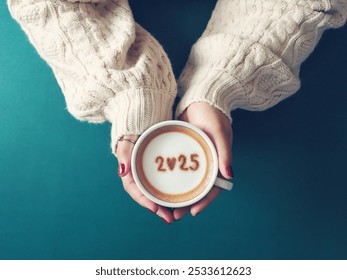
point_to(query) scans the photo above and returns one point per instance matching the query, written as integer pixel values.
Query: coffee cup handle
(224, 184)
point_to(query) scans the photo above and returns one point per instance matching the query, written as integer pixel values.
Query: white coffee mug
(175, 164)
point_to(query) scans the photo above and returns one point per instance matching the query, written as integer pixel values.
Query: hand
(217, 126)
(124, 149)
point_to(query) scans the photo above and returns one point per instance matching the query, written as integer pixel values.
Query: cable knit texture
(250, 53)
(110, 68)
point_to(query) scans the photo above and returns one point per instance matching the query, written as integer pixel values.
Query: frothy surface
(174, 176)
(176, 163)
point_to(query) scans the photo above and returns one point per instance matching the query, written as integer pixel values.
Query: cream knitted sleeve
(108, 67)
(250, 53)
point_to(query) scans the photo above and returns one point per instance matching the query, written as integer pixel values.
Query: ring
(120, 139)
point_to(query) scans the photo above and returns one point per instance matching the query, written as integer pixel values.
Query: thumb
(223, 142)
(123, 151)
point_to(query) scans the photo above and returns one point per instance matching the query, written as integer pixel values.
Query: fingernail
(230, 172)
(150, 210)
(195, 214)
(121, 169)
(165, 221)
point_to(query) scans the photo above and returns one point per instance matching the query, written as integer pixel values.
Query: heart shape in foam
(175, 164)
(171, 163)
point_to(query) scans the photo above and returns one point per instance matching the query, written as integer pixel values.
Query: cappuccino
(174, 164)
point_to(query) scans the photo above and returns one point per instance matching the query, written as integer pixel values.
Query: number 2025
(184, 164)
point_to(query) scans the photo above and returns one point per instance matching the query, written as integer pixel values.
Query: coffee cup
(175, 164)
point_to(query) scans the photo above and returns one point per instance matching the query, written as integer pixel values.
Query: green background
(60, 197)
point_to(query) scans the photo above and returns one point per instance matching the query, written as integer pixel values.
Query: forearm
(251, 51)
(109, 68)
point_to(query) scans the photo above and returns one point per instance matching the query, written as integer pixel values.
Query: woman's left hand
(123, 151)
(217, 126)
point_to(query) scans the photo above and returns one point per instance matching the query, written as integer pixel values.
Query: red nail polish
(230, 172)
(121, 169)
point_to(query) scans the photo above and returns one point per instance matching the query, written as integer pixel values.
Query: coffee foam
(177, 164)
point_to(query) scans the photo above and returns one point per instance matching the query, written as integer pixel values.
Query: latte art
(174, 164)
(182, 159)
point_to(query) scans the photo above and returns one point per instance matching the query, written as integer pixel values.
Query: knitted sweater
(111, 69)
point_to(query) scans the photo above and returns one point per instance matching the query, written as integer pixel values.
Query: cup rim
(214, 158)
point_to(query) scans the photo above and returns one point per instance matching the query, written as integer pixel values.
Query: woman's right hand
(123, 151)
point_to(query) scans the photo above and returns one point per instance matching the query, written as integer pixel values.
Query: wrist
(132, 112)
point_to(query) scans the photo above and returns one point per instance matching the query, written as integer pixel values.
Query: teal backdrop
(60, 197)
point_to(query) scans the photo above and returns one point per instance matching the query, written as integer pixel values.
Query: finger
(166, 214)
(184, 116)
(132, 189)
(223, 141)
(123, 151)
(135, 193)
(178, 213)
(207, 200)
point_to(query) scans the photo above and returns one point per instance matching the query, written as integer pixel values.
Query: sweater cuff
(134, 111)
(213, 86)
